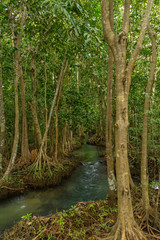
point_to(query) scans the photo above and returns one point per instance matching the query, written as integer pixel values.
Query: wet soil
(22, 181)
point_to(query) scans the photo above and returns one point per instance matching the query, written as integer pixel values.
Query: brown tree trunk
(61, 76)
(33, 105)
(56, 143)
(125, 211)
(144, 159)
(56, 124)
(45, 99)
(2, 117)
(25, 154)
(109, 153)
(17, 43)
(65, 139)
(16, 131)
(126, 227)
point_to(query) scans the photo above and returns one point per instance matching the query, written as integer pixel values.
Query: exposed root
(126, 231)
(147, 221)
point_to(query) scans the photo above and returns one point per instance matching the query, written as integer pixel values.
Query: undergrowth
(86, 220)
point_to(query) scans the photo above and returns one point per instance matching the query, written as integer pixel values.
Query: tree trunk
(125, 211)
(56, 143)
(17, 43)
(33, 105)
(144, 160)
(45, 99)
(126, 227)
(61, 76)
(56, 122)
(2, 117)
(109, 153)
(16, 131)
(25, 154)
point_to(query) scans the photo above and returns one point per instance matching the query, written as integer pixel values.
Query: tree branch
(140, 40)
(111, 14)
(108, 33)
(153, 61)
(126, 16)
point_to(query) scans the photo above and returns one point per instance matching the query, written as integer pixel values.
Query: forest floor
(87, 221)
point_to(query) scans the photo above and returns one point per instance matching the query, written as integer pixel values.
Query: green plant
(70, 233)
(50, 236)
(62, 224)
(27, 216)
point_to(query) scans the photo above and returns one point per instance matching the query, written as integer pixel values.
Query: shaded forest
(77, 71)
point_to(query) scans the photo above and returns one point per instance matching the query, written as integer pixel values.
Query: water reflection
(88, 182)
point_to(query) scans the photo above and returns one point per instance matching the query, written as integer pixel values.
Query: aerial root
(146, 221)
(146, 218)
(126, 232)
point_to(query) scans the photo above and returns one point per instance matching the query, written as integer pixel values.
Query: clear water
(88, 182)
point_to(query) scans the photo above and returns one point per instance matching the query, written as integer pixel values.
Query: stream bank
(23, 178)
(88, 182)
(91, 220)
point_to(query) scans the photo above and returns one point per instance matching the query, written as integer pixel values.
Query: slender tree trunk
(25, 154)
(17, 43)
(56, 143)
(16, 131)
(61, 76)
(65, 138)
(56, 123)
(144, 160)
(109, 153)
(45, 99)
(33, 105)
(2, 116)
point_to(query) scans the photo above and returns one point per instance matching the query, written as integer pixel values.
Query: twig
(14, 189)
(39, 234)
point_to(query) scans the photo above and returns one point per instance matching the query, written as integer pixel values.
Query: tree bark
(56, 121)
(126, 227)
(25, 154)
(144, 159)
(45, 99)
(56, 143)
(2, 116)
(61, 76)
(33, 105)
(17, 43)
(109, 152)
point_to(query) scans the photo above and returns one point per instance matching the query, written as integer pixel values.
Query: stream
(88, 182)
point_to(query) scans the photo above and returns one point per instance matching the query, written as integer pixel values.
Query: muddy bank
(21, 182)
(24, 178)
